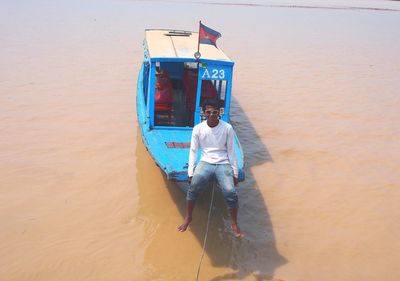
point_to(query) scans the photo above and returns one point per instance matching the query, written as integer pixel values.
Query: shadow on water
(256, 254)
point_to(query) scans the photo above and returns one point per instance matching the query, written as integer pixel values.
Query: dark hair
(211, 102)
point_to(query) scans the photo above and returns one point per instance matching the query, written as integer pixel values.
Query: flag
(208, 35)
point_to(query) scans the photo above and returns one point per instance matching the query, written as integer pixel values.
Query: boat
(173, 81)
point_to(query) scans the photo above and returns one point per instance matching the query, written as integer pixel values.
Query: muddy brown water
(316, 106)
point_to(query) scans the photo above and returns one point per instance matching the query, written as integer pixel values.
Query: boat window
(214, 89)
(145, 80)
(170, 98)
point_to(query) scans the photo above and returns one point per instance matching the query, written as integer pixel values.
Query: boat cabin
(171, 86)
(175, 83)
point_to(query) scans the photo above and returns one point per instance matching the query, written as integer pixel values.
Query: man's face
(211, 113)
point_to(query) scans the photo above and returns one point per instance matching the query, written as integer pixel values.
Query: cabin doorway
(169, 98)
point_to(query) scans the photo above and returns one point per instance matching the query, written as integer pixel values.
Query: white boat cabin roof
(179, 44)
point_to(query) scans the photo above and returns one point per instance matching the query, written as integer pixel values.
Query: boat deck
(171, 146)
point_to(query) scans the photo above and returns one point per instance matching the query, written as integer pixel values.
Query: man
(218, 160)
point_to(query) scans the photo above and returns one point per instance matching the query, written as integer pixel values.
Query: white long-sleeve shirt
(216, 143)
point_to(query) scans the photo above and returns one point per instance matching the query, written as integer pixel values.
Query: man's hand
(190, 180)
(235, 180)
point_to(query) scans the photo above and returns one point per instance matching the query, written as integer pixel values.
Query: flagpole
(198, 67)
(198, 39)
(198, 50)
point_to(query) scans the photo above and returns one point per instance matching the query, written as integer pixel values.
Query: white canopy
(165, 43)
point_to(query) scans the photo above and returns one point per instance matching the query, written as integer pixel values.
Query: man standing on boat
(218, 161)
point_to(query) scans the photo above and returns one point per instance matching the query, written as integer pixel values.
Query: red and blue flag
(208, 35)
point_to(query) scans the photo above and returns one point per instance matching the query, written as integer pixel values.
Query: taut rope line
(206, 235)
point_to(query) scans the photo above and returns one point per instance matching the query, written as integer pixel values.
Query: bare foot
(236, 230)
(185, 224)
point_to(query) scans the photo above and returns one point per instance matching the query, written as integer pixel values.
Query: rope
(206, 235)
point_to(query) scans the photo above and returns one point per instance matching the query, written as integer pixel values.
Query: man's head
(211, 109)
(215, 103)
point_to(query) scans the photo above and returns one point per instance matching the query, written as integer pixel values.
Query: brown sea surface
(316, 107)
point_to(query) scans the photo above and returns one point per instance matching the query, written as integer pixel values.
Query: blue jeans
(205, 173)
